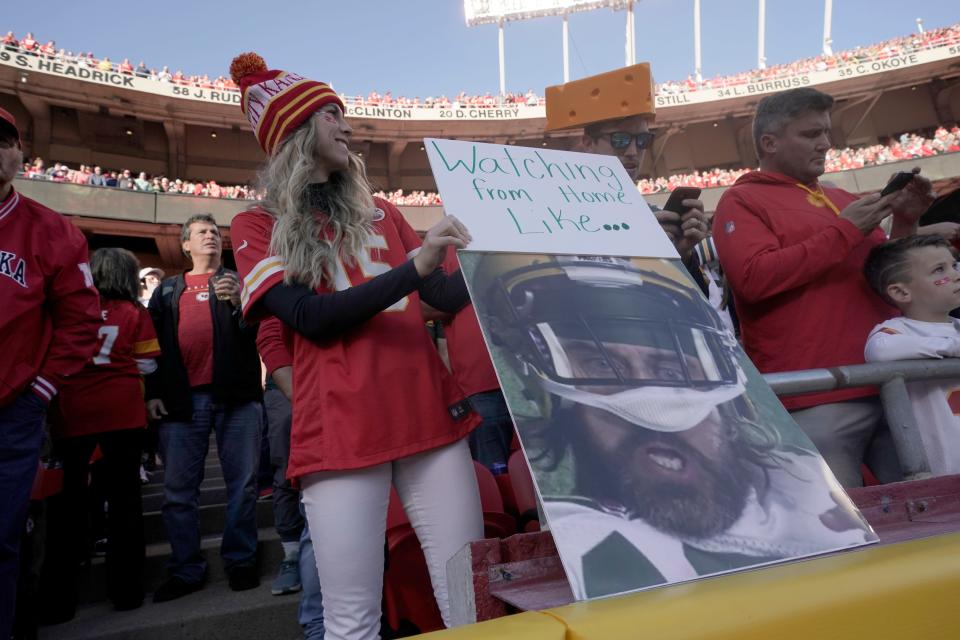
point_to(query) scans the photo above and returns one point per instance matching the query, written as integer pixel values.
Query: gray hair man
(792, 249)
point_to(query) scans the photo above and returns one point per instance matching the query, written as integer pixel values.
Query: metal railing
(891, 377)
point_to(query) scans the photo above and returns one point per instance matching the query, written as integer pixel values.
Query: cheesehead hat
(607, 96)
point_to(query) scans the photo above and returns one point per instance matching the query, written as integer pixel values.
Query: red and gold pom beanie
(276, 102)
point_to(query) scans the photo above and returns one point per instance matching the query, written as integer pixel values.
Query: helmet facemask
(626, 341)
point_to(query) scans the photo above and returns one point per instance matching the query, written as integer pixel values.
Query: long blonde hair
(299, 239)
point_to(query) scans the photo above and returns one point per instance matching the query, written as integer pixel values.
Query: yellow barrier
(531, 625)
(901, 591)
(904, 591)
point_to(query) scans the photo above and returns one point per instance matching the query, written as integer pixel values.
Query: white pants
(347, 513)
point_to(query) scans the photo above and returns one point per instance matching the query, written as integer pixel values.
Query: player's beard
(690, 511)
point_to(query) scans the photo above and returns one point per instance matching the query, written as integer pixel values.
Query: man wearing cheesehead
(615, 110)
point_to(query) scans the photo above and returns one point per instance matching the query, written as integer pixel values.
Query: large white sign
(664, 100)
(544, 201)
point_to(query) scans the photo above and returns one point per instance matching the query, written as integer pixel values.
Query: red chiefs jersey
(469, 359)
(195, 329)
(107, 394)
(49, 308)
(376, 393)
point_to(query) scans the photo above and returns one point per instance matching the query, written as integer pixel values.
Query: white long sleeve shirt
(936, 403)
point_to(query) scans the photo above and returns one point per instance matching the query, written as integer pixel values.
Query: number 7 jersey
(107, 394)
(375, 393)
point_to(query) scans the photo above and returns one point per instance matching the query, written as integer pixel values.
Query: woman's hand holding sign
(449, 232)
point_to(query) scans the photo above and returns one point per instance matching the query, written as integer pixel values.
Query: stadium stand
(878, 51)
(217, 612)
(904, 147)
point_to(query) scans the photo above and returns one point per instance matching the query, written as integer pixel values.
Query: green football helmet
(632, 336)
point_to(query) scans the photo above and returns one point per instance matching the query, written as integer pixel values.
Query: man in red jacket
(49, 315)
(793, 251)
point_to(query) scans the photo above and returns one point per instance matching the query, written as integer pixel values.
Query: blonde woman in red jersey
(103, 406)
(372, 404)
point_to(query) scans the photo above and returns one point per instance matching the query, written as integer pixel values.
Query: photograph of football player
(659, 454)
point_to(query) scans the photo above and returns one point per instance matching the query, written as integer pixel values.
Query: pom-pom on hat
(276, 102)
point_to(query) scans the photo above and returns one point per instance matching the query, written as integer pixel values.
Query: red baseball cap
(7, 118)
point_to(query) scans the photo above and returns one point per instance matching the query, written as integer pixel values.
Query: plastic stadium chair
(490, 496)
(524, 492)
(407, 590)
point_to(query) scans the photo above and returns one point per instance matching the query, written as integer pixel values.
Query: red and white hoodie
(49, 308)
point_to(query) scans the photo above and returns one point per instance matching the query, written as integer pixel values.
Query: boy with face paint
(919, 275)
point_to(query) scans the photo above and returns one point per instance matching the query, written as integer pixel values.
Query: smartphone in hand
(677, 196)
(897, 182)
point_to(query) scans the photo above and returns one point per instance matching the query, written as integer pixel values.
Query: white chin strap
(668, 409)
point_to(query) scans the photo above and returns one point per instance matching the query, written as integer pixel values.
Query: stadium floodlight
(498, 11)
(827, 24)
(761, 36)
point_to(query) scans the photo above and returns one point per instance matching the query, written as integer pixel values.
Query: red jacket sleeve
(146, 344)
(755, 263)
(250, 232)
(75, 315)
(272, 346)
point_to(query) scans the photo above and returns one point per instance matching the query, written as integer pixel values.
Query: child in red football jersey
(372, 402)
(103, 406)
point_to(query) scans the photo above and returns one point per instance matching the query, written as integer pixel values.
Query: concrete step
(214, 613)
(211, 469)
(212, 517)
(92, 578)
(212, 491)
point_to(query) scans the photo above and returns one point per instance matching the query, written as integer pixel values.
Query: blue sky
(422, 47)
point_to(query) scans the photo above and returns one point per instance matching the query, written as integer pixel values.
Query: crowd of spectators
(879, 51)
(462, 99)
(30, 45)
(94, 176)
(892, 48)
(904, 147)
(412, 199)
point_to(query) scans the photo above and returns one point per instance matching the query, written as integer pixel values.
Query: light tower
(500, 12)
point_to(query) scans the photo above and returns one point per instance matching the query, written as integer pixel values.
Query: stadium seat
(490, 496)
(869, 480)
(524, 492)
(407, 590)
(497, 523)
(504, 483)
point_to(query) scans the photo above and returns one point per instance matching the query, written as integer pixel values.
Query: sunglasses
(621, 139)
